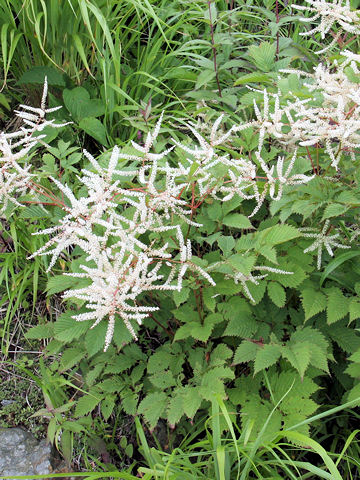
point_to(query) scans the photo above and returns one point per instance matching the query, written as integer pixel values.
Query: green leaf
(34, 211)
(355, 357)
(242, 263)
(40, 331)
(71, 357)
(120, 364)
(94, 128)
(191, 401)
(107, 406)
(313, 302)
(95, 338)
(354, 309)
(175, 409)
(263, 56)
(255, 77)
(153, 406)
(334, 210)
(129, 403)
(163, 379)
(59, 283)
(37, 75)
(67, 328)
(337, 306)
(277, 293)
(79, 104)
(336, 262)
(87, 403)
(266, 356)
(278, 234)
(245, 352)
(182, 296)
(195, 330)
(204, 78)
(244, 326)
(309, 442)
(226, 243)
(299, 355)
(236, 220)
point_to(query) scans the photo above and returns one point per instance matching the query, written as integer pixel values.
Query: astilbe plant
(120, 228)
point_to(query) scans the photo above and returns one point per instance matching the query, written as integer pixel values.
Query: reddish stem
(214, 49)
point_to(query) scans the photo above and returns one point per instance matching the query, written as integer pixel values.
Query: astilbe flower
(336, 12)
(322, 239)
(15, 146)
(109, 226)
(243, 279)
(336, 123)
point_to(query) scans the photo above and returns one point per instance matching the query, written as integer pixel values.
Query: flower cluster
(15, 146)
(113, 226)
(337, 12)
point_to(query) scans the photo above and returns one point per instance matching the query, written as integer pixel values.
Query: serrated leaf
(313, 302)
(93, 374)
(278, 234)
(175, 409)
(163, 379)
(243, 326)
(266, 356)
(236, 220)
(59, 283)
(182, 296)
(355, 357)
(242, 263)
(226, 243)
(263, 56)
(245, 352)
(219, 355)
(120, 364)
(87, 403)
(107, 406)
(153, 406)
(34, 211)
(354, 309)
(334, 210)
(204, 78)
(354, 394)
(337, 306)
(269, 252)
(195, 330)
(276, 293)
(40, 331)
(67, 328)
(255, 77)
(299, 355)
(129, 402)
(191, 401)
(318, 357)
(71, 357)
(95, 338)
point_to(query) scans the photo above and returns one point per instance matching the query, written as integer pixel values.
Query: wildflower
(322, 240)
(282, 178)
(330, 13)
